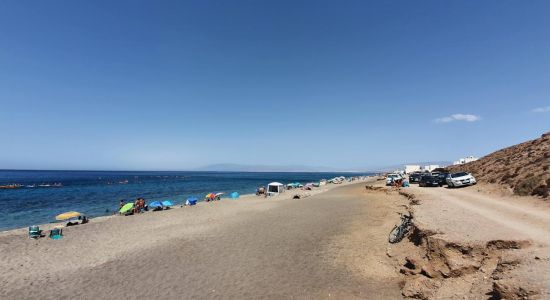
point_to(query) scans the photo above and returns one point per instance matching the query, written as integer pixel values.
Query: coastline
(97, 194)
(243, 197)
(330, 244)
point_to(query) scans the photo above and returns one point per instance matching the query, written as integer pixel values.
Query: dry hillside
(524, 167)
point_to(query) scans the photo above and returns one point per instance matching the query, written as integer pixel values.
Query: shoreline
(316, 190)
(313, 247)
(98, 194)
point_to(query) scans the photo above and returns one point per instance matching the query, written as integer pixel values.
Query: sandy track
(472, 219)
(330, 245)
(495, 217)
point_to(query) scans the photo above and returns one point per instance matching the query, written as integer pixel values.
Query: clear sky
(174, 85)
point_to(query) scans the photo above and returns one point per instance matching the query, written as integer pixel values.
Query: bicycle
(400, 231)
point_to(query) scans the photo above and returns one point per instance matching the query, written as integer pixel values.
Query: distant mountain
(265, 168)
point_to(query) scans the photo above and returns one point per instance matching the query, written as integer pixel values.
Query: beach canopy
(211, 195)
(219, 194)
(155, 204)
(67, 215)
(191, 201)
(167, 203)
(126, 208)
(234, 195)
(275, 188)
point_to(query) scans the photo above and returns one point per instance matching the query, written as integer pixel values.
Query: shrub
(505, 177)
(541, 190)
(526, 186)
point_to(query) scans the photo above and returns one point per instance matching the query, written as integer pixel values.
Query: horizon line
(202, 171)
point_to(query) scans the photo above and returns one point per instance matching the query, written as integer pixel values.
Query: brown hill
(524, 167)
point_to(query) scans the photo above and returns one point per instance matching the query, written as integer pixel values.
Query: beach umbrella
(234, 195)
(155, 204)
(126, 207)
(167, 203)
(67, 215)
(218, 194)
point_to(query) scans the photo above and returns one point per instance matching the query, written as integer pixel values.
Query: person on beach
(136, 206)
(141, 204)
(120, 205)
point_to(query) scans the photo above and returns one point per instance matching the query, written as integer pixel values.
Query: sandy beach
(331, 244)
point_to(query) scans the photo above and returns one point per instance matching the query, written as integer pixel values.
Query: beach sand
(331, 244)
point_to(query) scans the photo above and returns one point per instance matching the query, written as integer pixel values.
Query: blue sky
(174, 85)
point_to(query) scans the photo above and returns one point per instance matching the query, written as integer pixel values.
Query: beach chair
(56, 233)
(34, 232)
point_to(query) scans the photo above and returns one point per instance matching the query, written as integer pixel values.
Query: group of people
(139, 205)
(398, 183)
(82, 219)
(261, 191)
(213, 197)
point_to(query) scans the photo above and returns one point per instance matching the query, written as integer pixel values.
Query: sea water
(98, 193)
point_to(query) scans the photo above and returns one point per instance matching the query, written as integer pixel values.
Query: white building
(465, 160)
(412, 168)
(430, 168)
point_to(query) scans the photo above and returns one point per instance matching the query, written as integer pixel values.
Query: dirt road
(483, 216)
(480, 244)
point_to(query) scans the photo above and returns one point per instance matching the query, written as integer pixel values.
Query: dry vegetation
(524, 167)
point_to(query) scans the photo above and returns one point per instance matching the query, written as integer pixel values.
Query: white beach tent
(275, 188)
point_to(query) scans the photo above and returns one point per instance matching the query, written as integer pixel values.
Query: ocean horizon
(46, 193)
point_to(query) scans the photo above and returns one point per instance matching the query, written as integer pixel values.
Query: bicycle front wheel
(395, 235)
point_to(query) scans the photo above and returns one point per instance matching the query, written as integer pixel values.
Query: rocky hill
(524, 167)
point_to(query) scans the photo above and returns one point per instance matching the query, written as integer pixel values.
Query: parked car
(392, 177)
(443, 178)
(460, 179)
(429, 180)
(415, 177)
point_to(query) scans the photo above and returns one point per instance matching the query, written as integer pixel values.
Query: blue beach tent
(191, 201)
(234, 195)
(155, 204)
(167, 203)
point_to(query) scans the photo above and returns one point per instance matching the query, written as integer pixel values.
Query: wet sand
(329, 245)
